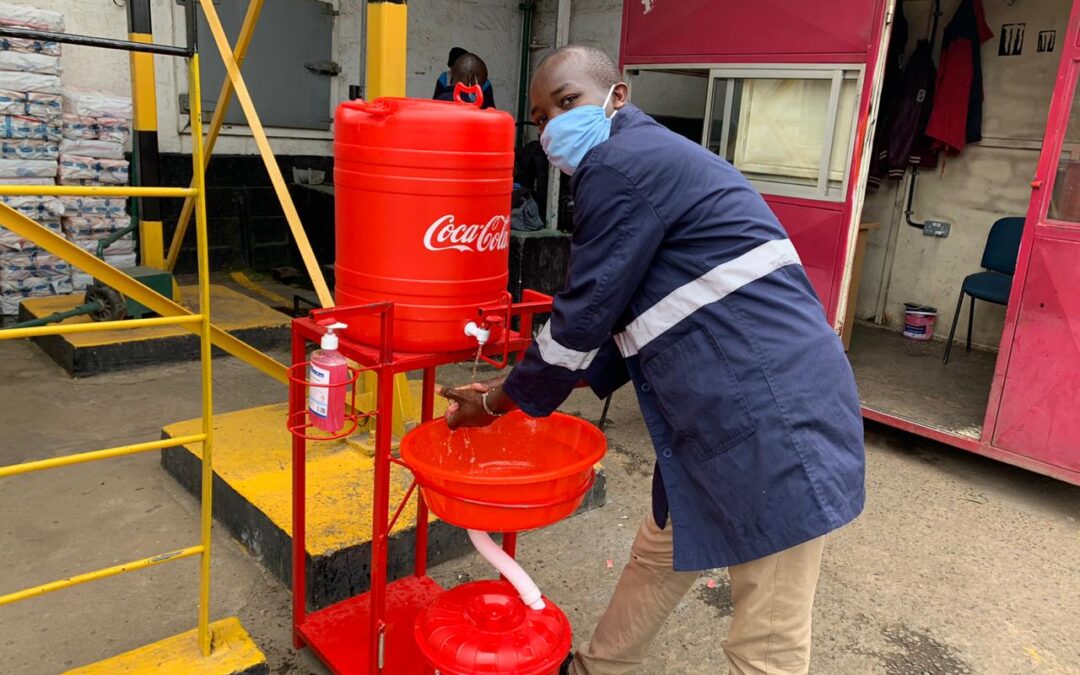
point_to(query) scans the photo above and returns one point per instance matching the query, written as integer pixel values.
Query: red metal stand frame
(372, 633)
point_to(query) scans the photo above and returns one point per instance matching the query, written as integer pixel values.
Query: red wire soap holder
(299, 423)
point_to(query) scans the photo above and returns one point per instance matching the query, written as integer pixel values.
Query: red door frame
(1039, 226)
(1036, 227)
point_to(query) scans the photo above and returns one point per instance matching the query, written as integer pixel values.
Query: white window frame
(837, 73)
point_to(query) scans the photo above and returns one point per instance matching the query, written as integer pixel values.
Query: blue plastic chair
(993, 285)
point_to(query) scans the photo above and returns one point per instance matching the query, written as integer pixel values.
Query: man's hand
(488, 385)
(466, 407)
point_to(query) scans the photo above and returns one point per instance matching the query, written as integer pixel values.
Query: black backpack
(531, 168)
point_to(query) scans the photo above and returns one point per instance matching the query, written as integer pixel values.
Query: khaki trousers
(773, 599)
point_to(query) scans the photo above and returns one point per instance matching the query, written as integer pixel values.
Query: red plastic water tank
(483, 628)
(422, 193)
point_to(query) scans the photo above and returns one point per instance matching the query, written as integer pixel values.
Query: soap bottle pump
(330, 369)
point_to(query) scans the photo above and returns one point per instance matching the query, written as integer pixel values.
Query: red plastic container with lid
(483, 628)
(422, 191)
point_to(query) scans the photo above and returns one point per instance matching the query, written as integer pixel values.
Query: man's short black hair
(597, 63)
(455, 54)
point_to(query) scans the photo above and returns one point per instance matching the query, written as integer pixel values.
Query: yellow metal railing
(127, 286)
(172, 314)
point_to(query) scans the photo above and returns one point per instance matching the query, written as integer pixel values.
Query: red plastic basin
(519, 473)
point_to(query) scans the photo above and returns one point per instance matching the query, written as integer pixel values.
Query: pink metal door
(1033, 404)
(786, 36)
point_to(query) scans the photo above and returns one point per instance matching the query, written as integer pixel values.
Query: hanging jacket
(907, 143)
(682, 280)
(956, 119)
(891, 90)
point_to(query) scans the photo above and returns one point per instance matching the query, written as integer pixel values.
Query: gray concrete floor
(907, 378)
(958, 565)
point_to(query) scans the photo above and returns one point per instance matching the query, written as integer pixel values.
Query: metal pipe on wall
(359, 90)
(562, 37)
(909, 208)
(528, 8)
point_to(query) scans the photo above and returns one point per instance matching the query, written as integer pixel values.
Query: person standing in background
(469, 69)
(444, 83)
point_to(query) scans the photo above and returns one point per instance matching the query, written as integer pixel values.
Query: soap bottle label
(319, 397)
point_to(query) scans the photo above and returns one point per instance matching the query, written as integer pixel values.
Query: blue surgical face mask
(567, 137)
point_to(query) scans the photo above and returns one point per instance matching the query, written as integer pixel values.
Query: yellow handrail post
(224, 100)
(203, 254)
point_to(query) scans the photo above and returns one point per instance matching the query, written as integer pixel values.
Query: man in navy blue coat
(683, 282)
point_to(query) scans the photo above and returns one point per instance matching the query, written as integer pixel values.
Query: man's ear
(620, 96)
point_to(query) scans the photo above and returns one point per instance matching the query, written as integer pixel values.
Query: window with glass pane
(776, 130)
(1065, 201)
(674, 98)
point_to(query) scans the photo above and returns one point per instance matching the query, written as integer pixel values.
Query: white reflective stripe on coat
(555, 354)
(714, 285)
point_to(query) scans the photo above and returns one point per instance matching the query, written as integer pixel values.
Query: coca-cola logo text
(446, 234)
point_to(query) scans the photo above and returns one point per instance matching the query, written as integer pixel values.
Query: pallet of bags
(95, 115)
(92, 147)
(26, 149)
(30, 272)
(27, 127)
(76, 127)
(26, 270)
(87, 231)
(27, 168)
(35, 206)
(35, 105)
(27, 46)
(96, 127)
(38, 262)
(31, 105)
(16, 287)
(23, 62)
(84, 227)
(24, 16)
(9, 241)
(97, 104)
(93, 206)
(121, 247)
(31, 115)
(80, 170)
(30, 111)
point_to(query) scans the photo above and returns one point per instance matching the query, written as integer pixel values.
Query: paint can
(919, 321)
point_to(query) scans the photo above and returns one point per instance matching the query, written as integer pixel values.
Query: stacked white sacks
(31, 113)
(96, 130)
